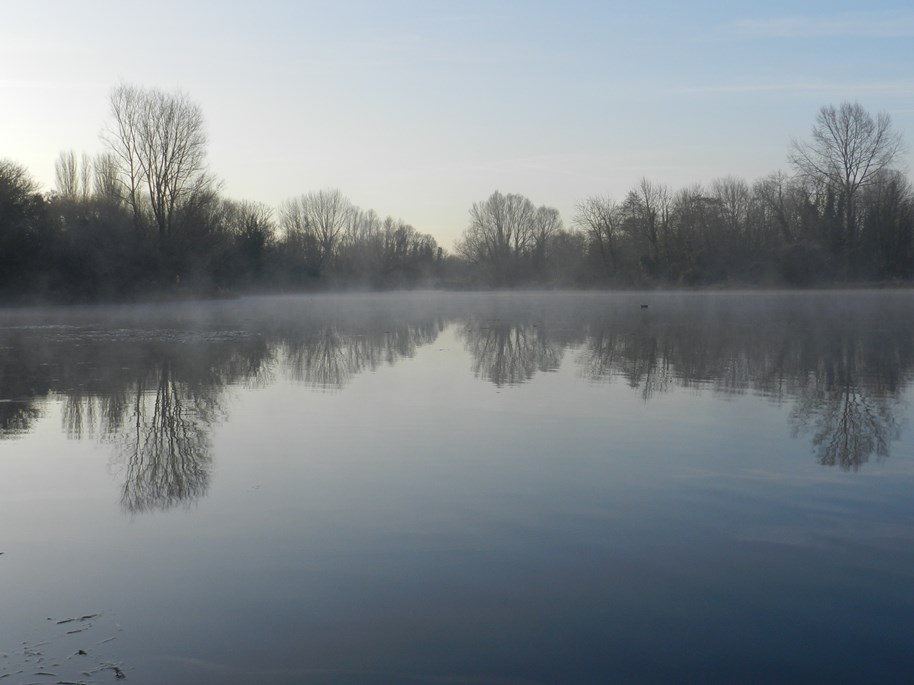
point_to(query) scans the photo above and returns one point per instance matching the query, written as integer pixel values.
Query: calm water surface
(504, 488)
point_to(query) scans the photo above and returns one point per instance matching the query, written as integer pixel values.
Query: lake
(460, 488)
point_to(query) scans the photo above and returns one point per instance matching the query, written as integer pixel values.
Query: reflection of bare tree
(645, 363)
(158, 409)
(155, 390)
(844, 369)
(94, 415)
(330, 357)
(326, 360)
(852, 418)
(166, 445)
(508, 353)
(848, 426)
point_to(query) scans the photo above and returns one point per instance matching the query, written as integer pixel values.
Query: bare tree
(847, 149)
(106, 184)
(160, 143)
(601, 220)
(249, 220)
(520, 214)
(123, 140)
(546, 223)
(73, 176)
(85, 178)
(501, 228)
(320, 216)
(649, 207)
(773, 197)
(66, 175)
(734, 200)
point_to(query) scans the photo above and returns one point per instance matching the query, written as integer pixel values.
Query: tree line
(148, 216)
(846, 214)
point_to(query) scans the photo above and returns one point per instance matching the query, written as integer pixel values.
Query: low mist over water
(424, 487)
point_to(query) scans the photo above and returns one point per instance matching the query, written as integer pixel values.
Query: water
(502, 488)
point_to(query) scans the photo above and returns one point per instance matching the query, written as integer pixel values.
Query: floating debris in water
(39, 658)
(87, 617)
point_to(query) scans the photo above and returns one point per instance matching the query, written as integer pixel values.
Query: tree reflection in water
(330, 357)
(167, 447)
(507, 352)
(843, 369)
(848, 426)
(155, 393)
(158, 412)
(843, 366)
(848, 401)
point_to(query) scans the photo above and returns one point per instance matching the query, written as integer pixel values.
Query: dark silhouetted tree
(159, 142)
(25, 233)
(601, 220)
(317, 220)
(848, 147)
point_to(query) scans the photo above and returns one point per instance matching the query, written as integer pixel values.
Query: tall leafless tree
(601, 219)
(547, 222)
(320, 216)
(159, 142)
(649, 207)
(501, 229)
(106, 184)
(73, 176)
(848, 147)
(122, 138)
(66, 175)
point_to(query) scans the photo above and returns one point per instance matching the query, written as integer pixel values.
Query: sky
(419, 108)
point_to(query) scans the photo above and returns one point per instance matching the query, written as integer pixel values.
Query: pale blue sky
(419, 108)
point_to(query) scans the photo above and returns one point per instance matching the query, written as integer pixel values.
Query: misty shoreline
(200, 296)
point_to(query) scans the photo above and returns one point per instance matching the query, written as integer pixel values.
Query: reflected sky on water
(529, 487)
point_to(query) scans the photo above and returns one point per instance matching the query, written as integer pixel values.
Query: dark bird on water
(644, 306)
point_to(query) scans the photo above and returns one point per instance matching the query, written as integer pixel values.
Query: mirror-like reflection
(154, 400)
(848, 401)
(331, 357)
(151, 381)
(512, 351)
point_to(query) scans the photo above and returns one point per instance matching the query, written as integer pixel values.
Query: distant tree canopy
(146, 216)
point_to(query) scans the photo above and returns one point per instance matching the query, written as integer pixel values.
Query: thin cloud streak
(857, 24)
(897, 89)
